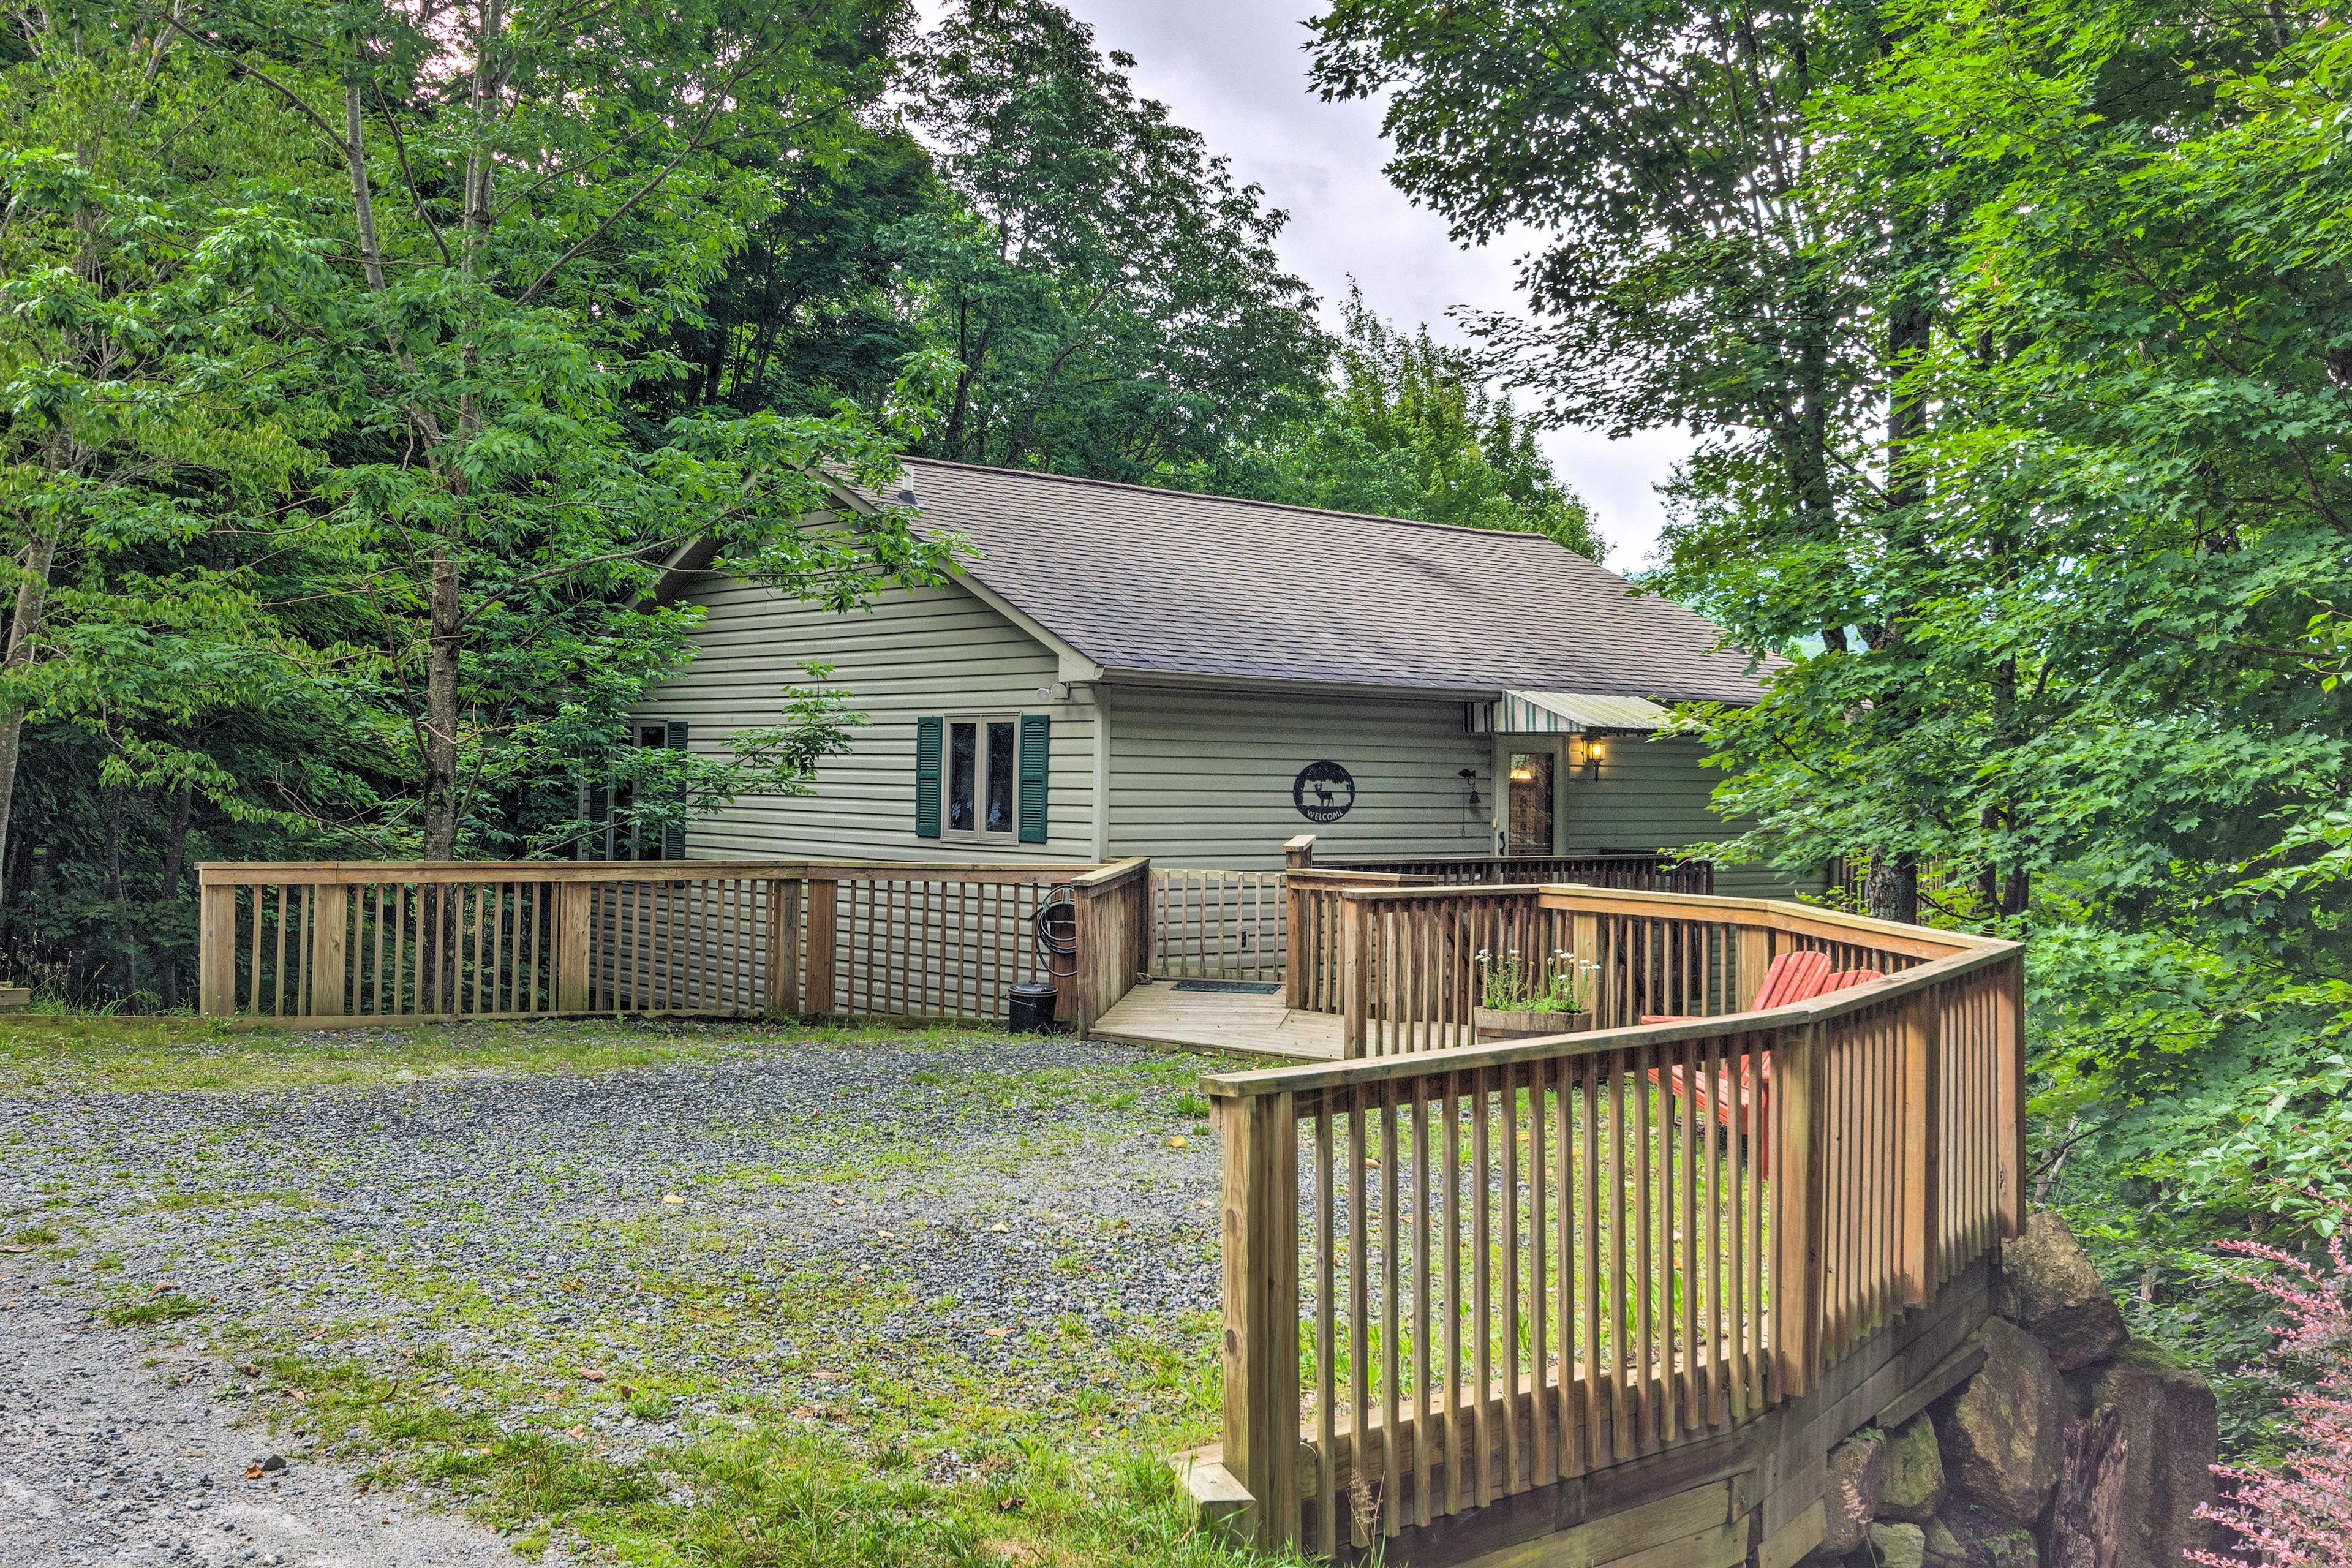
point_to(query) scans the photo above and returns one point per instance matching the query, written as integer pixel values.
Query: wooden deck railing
(1529, 1261)
(1599, 868)
(320, 944)
(1217, 925)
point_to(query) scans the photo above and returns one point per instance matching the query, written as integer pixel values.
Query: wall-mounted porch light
(1469, 778)
(1585, 755)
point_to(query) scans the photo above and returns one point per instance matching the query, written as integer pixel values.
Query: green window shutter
(1037, 751)
(674, 835)
(926, 777)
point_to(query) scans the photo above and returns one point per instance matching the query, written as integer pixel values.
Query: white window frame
(1010, 832)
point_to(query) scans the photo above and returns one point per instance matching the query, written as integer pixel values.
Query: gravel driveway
(921, 1254)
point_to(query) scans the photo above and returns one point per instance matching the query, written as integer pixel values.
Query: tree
(147, 395)
(533, 197)
(1110, 294)
(1407, 429)
(1694, 273)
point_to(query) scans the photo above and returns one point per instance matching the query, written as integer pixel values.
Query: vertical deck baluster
(1688, 1272)
(1481, 1279)
(1450, 1181)
(1514, 1478)
(1391, 1338)
(1359, 1348)
(1646, 1264)
(1543, 1460)
(1327, 1246)
(278, 969)
(1424, 1454)
(1761, 1154)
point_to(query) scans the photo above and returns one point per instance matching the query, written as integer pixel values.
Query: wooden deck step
(1238, 1022)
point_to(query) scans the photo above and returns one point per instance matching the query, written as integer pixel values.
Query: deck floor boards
(1236, 1021)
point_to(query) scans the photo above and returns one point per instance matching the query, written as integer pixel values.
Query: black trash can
(1031, 1009)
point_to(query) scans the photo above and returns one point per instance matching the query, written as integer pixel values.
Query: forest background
(360, 362)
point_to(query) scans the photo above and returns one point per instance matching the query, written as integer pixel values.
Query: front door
(1532, 777)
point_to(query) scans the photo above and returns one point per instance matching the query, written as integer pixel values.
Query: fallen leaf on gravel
(249, 1368)
(575, 1432)
(998, 1333)
(1176, 1142)
(837, 1202)
(886, 1235)
(672, 1198)
(1000, 1227)
(163, 1289)
(592, 1373)
(253, 1472)
(628, 1388)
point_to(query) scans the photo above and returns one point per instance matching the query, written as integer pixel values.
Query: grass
(95, 1053)
(867, 1445)
(130, 1311)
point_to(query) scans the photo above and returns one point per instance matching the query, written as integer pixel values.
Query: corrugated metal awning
(1564, 714)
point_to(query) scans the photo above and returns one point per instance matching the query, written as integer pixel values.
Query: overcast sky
(1234, 71)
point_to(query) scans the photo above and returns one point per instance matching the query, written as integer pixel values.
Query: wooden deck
(1243, 1023)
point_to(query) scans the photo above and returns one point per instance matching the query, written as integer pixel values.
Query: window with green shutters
(981, 776)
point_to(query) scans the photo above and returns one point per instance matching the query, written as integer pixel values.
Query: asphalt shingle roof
(1154, 580)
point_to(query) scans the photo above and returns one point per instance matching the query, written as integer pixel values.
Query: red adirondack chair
(1792, 977)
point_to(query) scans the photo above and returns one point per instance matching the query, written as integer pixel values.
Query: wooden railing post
(1755, 958)
(1923, 1086)
(1261, 1309)
(572, 902)
(216, 950)
(1298, 916)
(330, 911)
(2009, 1056)
(1797, 1174)
(783, 948)
(821, 918)
(1355, 976)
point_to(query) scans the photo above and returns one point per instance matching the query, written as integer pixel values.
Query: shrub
(2299, 1514)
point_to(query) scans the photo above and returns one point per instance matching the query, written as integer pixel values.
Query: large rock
(2169, 1435)
(1964, 1536)
(1898, 1546)
(1856, 1469)
(2048, 1288)
(2004, 1435)
(1913, 1488)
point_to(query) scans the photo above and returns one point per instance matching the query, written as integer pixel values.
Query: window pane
(1000, 778)
(1531, 803)
(963, 745)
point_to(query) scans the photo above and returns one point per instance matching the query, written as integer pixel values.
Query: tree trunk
(175, 860)
(1891, 891)
(122, 966)
(32, 600)
(441, 711)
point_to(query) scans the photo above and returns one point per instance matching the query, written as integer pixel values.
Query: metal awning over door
(1563, 713)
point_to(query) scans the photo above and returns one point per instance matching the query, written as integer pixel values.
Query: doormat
(1246, 987)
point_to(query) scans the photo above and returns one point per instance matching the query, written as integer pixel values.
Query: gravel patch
(840, 1230)
(104, 1460)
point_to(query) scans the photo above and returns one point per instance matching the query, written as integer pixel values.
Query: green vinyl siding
(1650, 795)
(915, 654)
(1203, 778)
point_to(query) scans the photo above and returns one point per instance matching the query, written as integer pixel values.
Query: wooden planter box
(1495, 1024)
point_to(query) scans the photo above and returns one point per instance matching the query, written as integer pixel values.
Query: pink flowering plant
(2299, 1514)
